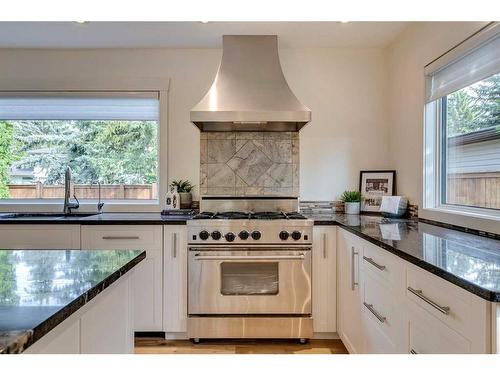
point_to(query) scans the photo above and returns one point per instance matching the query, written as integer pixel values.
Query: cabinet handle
(353, 269)
(373, 263)
(324, 246)
(380, 318)
(174, 246)
(418, 292)
(120, 237)
(412, 351)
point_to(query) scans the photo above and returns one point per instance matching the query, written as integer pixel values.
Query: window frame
(434, 187)
(105, 84)
(482, 219)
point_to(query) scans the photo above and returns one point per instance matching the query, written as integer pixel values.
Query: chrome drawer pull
(324, 246)
(418, 292)
(353, 269)
(248, 257)
(373, 263)
(412, 351)
(120, 237)
(381, 318)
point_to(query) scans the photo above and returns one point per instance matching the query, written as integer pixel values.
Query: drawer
(121, 237)
(383, 265)
(454, 306)
(39, 236)
(428, 335)
(382, 309)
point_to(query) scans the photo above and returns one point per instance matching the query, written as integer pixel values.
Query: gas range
(249, 269)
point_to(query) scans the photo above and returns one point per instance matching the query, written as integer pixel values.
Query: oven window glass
(249, 278)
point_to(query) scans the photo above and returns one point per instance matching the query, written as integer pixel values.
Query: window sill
(56, 205)
(488, 221)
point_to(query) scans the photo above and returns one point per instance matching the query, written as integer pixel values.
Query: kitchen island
(66, 301)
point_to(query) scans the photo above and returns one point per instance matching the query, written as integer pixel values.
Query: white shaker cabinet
(324, 281)
(40, 236)
(349, 297)
(388, 305)
(148, 275)
(175, 280)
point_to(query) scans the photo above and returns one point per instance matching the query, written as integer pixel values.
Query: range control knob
(230, 236)
(296, 235)
(216, 235)
(244, 235)
(204, 235)
(284, 235)
(256, 235)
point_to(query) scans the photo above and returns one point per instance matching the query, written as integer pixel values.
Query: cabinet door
(428, 335)
(382, 317)
(350, 328)
(175, 280)
(148, 275)
(40, 236)
(324, 281)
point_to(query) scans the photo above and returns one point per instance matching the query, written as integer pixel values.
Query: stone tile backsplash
(249, 163)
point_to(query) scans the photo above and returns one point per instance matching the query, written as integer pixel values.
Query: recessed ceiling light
(204, 21)
(344, 21)
(81, 21)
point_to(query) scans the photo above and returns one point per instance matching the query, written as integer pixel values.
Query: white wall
(346, 90)
(414, 48)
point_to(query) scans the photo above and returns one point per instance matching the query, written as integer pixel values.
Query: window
(105, 138)
(462, 140)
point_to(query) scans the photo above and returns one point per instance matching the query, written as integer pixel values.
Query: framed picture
(373, 185)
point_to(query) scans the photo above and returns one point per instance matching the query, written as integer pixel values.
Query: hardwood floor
(162, 346)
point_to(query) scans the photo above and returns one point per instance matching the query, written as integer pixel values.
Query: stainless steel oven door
(249, 281)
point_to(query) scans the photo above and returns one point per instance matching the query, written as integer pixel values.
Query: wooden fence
(474, 189)
(39, 190)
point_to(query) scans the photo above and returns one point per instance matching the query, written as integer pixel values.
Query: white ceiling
(192, 34)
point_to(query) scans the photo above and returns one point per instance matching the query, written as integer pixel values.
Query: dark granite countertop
(125, 218)
(41, 288)
(468, 260)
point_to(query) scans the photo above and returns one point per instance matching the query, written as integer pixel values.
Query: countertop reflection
(36, 286)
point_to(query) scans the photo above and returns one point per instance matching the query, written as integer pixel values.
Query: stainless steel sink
(41, 215)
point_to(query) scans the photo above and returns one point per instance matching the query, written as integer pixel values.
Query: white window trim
(483, 219)
(107, 84)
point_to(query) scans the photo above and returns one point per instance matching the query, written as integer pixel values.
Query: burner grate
(265, 215)
(231, 215)
(269, 215)
(295, 215)
(204, 215)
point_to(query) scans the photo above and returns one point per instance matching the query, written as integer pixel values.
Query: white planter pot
(352, 208)
(186, 200)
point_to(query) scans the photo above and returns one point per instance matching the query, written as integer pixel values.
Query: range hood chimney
(250, 92)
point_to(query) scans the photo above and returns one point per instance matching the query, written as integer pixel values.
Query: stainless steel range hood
(250, 92)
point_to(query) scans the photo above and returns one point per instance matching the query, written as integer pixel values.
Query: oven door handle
(249, 257)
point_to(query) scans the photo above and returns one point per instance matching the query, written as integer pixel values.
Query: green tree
(6, 156)
(488, 97)
(474, 107)
(111, 152)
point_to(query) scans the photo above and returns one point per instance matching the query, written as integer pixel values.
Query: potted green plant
(352, 201)
(184, 188)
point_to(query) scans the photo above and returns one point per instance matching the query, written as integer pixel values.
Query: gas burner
(231, 215)
(295, 215)
(204, 215)
(268, 215)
